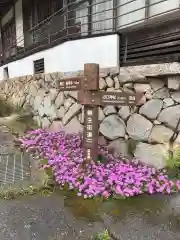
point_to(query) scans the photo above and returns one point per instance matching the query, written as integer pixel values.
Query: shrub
(173, 163)
(5, 109)
(102, 236)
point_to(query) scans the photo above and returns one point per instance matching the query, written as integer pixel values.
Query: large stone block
(176, 97)
(52, 112)
(73, 111)
(160, 134)
(68, 103)
(142, 87)
(109, 110)
(73, 126)
(156, 83)
(59, 100)
(153, 155)
(119, 146)
(170, 116)
(61, 112)
(138, 127)
(152, 108)
(109, 81)
(124, 112)
(101, 114)
(162, 93)
(112, 127)
(167, 102)
(102, 84)
(45, 123)
(174, 82)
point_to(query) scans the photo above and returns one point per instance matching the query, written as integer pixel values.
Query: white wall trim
(70, 56)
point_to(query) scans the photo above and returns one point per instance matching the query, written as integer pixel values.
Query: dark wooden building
(149, 29)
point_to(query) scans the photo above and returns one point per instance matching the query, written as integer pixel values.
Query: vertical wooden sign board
(90, 96)
(90, 136)
(91, 126)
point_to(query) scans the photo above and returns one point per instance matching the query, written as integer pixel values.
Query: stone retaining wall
(143, 131)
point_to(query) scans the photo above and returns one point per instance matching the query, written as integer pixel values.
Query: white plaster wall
(19, 24)
(70, 56)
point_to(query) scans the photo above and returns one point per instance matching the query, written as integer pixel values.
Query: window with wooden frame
(60, 25)
(45, 8)
(9, 39)
(39, 66)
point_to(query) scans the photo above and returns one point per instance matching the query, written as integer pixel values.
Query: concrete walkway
(42, 218)
(60, 217)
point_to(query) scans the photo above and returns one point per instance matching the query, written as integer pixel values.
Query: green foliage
(173, 163)
(5, 108)
(100, 159)
(103, 236)
(48, 172)
(16, 118)
(173, 160)
(10, 193)
(132, 145)
(19, 127)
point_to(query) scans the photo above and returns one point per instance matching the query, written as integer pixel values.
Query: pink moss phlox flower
(106, 194)
(112, 176)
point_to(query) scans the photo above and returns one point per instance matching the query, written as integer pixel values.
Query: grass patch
(102, 236)
(16, 118)
(21, 126)
(6, 109)
(10, 193)
(173, 164)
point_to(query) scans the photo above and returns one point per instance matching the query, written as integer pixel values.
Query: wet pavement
(63, 216)
(43, 218)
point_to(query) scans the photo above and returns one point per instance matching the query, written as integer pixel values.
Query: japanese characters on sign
(117, 98)
(90, 132)
(98, 98)
(69, 84)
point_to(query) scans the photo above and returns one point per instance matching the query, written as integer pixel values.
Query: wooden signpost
(91, 97)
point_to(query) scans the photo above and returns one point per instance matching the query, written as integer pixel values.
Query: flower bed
(107, 177)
